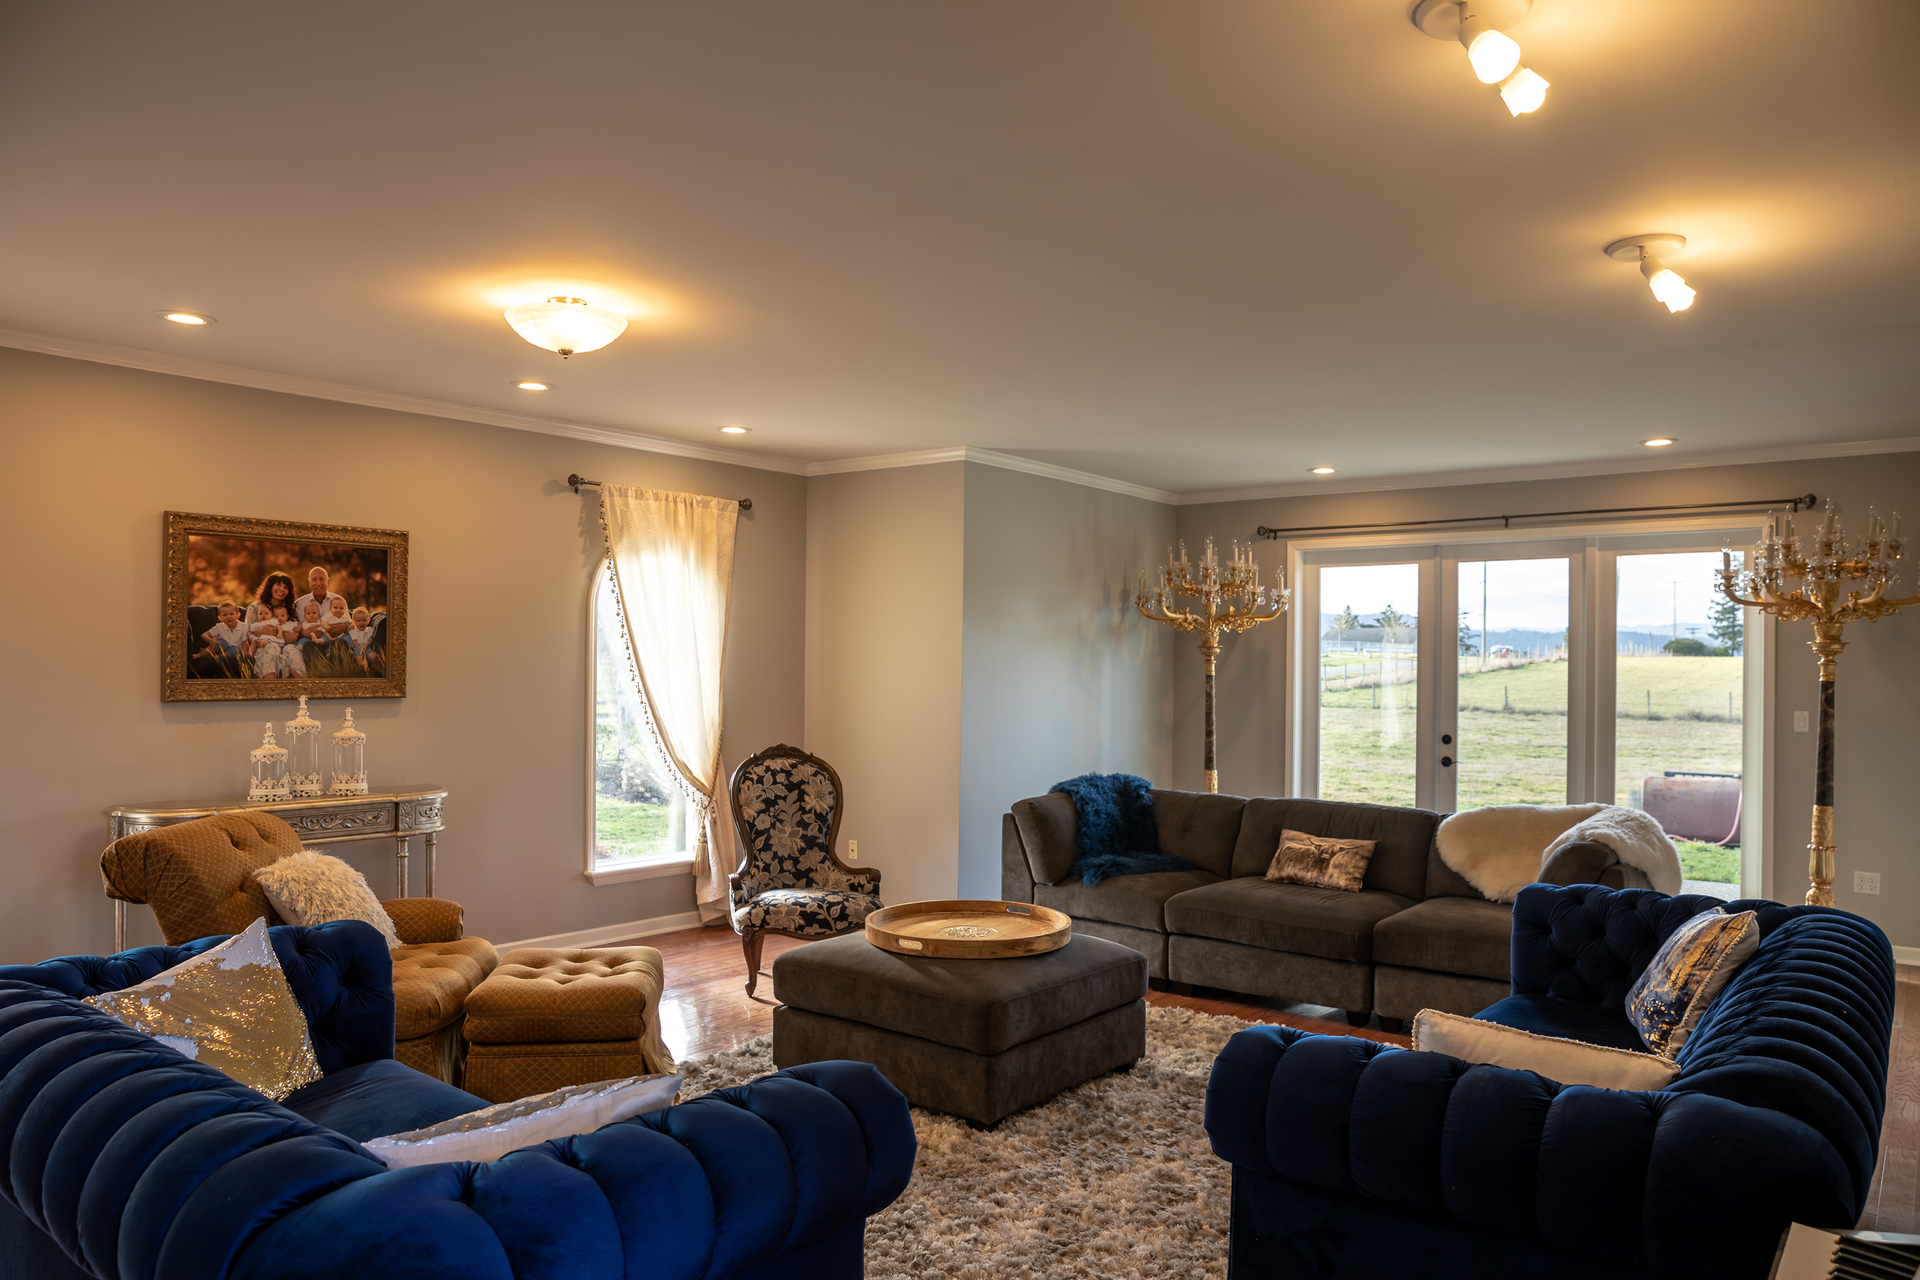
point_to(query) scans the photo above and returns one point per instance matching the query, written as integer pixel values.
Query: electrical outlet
(1800, 722)
(1866, 882)
(853, 851)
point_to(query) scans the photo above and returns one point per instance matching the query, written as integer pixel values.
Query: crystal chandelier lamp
(1829, 582)
(1226, 598)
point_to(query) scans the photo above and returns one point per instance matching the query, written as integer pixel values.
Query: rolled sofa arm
(418, 920)
(1676, 1183)
(142, 1164)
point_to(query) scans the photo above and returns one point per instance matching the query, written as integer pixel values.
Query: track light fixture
(1648, 251)
(1493, 54)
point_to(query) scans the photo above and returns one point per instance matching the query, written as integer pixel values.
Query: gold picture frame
(349, 642)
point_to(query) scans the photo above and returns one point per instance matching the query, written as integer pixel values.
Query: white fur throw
(1499, 849)
(1635, 838)
(312, 888)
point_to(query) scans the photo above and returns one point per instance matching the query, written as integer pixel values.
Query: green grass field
(623, 829)
(1513, 732)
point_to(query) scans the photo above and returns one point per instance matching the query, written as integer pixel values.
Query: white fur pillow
(313, 888)
(1568, 1061)
(1498, 849)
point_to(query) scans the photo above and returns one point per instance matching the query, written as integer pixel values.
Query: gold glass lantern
(269, 761)
(304, 776)
(349, 760)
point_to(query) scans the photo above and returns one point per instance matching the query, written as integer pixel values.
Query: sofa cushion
(1199, 827)
(379, 1097)
(1135, 900)
(1402, 838)
(1567, 1019)
(1285, 917)
(1048, 826)
(1449, 935)
(432, 980)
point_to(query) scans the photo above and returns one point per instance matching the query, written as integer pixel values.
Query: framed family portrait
(272, 609)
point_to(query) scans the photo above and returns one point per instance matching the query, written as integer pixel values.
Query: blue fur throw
(1116, 835)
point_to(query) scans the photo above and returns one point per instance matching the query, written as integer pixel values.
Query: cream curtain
(673, 572)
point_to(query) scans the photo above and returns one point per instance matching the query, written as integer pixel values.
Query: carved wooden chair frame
(752, 940)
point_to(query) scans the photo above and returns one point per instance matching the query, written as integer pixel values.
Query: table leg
(400, 865)
(433, 841)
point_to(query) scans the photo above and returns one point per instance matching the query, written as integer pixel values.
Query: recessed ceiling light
(532, 386)
(186, 317)
(1323, 471)
(732, 430)
(1658, 442)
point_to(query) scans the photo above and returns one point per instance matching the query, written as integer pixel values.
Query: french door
(1551, 671)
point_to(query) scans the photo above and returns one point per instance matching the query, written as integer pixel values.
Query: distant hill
(1527, 640)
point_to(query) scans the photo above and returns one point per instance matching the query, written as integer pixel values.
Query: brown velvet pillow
(1321, 861)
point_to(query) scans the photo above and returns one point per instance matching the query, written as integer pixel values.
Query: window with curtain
(638, 816)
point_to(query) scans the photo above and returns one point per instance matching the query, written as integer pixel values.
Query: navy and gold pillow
(1689, 970)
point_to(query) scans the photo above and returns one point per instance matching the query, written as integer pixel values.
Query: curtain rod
(1506, 522)
(746, 504)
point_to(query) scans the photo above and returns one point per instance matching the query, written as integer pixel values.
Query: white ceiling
(1190, 244)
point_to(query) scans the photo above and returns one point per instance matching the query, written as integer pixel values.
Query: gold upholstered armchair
(198, 878)
(786, 809)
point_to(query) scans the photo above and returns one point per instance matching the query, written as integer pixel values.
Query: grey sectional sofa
(1417, 936)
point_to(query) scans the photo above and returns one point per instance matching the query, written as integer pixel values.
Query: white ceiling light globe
(1494, 55)
(566, 325)
(1670, 288)
(1525, 92)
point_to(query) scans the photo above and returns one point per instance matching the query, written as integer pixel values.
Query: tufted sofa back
(341, 973)
(198, 876)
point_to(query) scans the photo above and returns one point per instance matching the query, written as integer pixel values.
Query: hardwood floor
(706, 1009)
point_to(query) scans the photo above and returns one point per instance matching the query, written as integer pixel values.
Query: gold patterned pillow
(1689, 970)
(1321, 861)
(229, 1007)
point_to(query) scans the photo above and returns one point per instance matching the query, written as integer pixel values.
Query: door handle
(1446, 761)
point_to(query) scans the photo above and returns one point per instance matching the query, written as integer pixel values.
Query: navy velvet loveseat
(1357, 1159)
(123, 1160)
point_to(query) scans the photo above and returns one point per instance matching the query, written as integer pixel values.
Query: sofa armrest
(1049, 827)
(426, 919)
(1016, 877)
(1628, 1177)
(1589, 943)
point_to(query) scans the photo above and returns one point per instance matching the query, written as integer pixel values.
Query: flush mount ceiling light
(193, 318)
(1491, 52)
(1662, 279)
(733, 430)
(532, 386)
(566, 325)
(1323, 471)
(1659, 442)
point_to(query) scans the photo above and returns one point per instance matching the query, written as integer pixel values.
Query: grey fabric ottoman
(979, 1039)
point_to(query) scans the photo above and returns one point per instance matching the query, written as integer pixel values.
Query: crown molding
(1556, 471)
(991, 458)
(320, 389)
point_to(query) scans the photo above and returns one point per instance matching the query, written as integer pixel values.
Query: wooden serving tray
(969, 929)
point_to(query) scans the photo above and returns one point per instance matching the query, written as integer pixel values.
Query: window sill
(619, 873)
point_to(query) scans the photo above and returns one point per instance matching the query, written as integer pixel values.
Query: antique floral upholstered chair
(786, 808)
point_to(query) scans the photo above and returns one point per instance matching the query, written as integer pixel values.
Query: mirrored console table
(394, 813)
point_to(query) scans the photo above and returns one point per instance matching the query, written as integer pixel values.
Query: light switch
(1800, 721)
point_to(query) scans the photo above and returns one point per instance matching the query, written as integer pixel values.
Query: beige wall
(1061, 676)
(1879, 676)
(883, 665)
(495, 708)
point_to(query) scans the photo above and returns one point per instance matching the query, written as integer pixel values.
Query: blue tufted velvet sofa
(120, 1159)
(1357, 1159)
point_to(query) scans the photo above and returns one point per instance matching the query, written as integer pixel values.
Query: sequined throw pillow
(1321, 861)
(491, 1132)
(229, 1007)
(1688, 971)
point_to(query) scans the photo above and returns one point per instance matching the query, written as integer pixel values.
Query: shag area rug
(1113, 1179)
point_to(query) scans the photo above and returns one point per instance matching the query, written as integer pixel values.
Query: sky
(1532, 594)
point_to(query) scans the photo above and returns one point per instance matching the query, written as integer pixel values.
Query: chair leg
(751, 944)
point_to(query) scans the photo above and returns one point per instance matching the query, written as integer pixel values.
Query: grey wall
(1879, 674)
(1060, 675)
(883, 612)
(496, 701)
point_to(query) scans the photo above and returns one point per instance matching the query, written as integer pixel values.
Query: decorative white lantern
(304, 777)
(349, 760)
(269, 761)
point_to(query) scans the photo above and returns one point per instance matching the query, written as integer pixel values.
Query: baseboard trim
(1906, 955)
(600, 935)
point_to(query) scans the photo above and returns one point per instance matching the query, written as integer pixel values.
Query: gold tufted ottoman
(550, 1017)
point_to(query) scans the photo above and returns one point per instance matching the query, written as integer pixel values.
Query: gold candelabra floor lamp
(1821, 571)
(1229, 598)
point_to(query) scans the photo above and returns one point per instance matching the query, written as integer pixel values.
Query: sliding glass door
(1369, 683)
